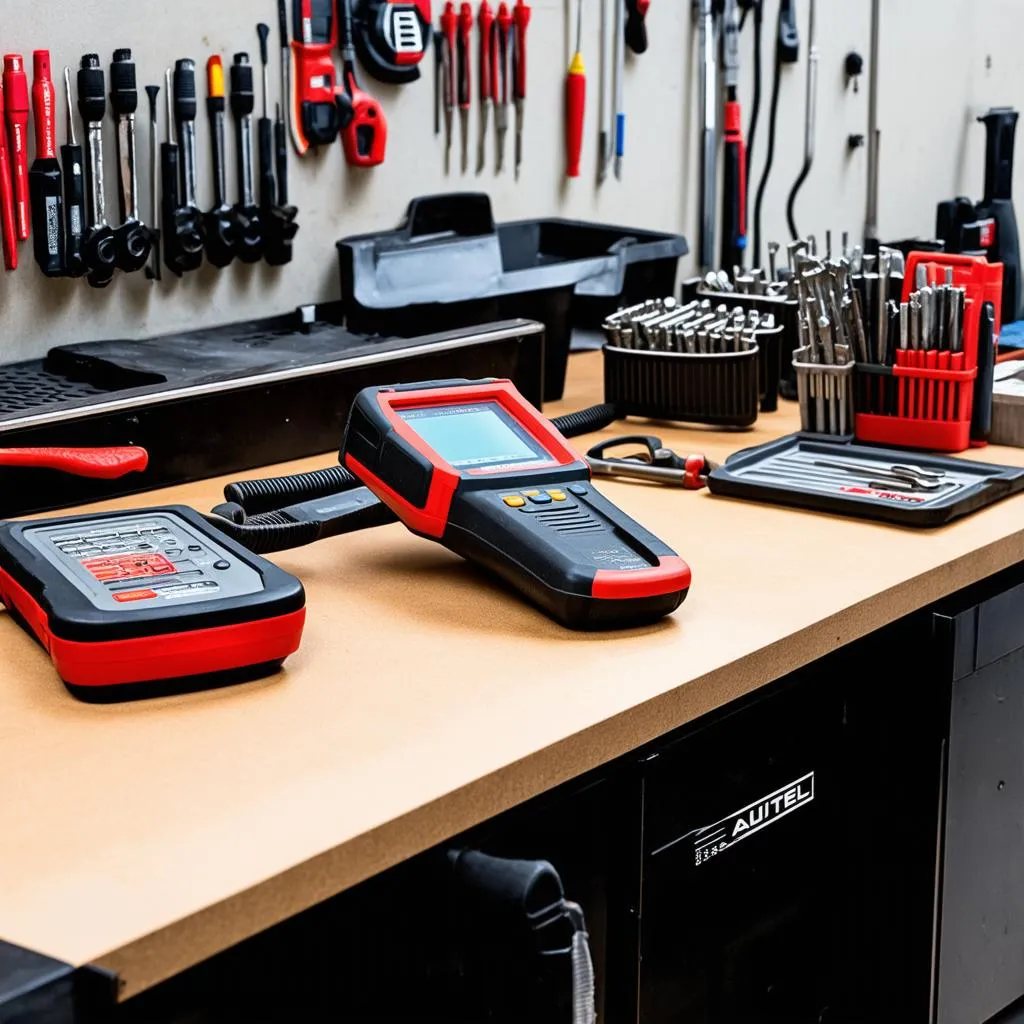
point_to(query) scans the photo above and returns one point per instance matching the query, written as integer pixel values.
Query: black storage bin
(449, 265)
(718, 388)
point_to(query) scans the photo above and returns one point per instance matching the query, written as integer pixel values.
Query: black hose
(791, 201)
(773, 113)
(270, 493)
(586, 421)
(264, 537)
(755, 105)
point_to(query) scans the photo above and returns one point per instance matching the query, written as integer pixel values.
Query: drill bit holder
(687, 363)
(825, 394)
(930, 394)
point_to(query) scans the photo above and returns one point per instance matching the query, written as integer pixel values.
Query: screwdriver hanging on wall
(485, 20)
(220, 229)
(16, 93)
(7, 219)
(245, 211)
(520, 19)
(44, 178)
(153, 270)
(276, 220)
(182, 238)
(72, 162)
(132, 239)
(98, 249)
(464, 77)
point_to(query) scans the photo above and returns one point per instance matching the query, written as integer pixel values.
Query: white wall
(939, 68)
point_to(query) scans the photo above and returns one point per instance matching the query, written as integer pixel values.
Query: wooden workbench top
(145, 837)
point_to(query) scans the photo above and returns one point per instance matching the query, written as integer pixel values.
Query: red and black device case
(149, 651)
(561, 556)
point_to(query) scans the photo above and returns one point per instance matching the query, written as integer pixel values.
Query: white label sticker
(711, 840)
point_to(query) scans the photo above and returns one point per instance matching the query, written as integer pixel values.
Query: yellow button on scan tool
(514, 500)
(557, 495)
(531, 494)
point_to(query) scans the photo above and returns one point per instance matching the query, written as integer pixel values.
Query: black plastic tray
(449, 265)
(225, 399)
(777, 473)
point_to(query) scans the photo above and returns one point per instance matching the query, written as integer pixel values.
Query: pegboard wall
(931, 148)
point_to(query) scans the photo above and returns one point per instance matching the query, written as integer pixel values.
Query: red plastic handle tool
(521, 18)
(575, 104)
(16, 93)
(10, 234)
(485, 19)
(364, 129)
(44, 102)
(499, 54)
(449, 31)
(465, 80)
(97, 463)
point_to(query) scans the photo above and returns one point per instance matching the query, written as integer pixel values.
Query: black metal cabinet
(979, 941)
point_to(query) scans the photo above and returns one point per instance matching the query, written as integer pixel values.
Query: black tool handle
(124, 95)
(268, 191)
(242, 97)
(92, 99)
(281, 161)
(47, 202)
(732, 204)
(787, 41)
(169, 204)
(74, 208)
(185, 90)
(981, 414)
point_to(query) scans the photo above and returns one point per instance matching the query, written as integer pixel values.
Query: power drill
(989, 228)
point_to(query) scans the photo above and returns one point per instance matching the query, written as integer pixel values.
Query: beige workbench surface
(146, 837)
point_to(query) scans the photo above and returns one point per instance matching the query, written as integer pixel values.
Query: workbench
(144, 838)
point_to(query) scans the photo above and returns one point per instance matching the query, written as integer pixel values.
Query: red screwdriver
(16, 91)
(520, 18)
(449, 33)
(485, 20)
(575, 102)
(464, 77)
(10, 234)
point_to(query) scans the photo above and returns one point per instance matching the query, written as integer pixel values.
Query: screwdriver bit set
(696, 362)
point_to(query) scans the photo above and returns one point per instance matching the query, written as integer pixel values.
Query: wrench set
(62, 202)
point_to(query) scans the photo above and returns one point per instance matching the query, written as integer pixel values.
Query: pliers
(655, 463)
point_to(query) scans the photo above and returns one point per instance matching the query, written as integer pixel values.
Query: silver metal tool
(709, 130)
(606, 130)
(874, 134)
(619, 113)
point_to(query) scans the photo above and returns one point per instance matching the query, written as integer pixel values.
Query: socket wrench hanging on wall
(245, 211)
(99, 251)
(185, 116)
(220, 229)
(182, 237)
(132, 240)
